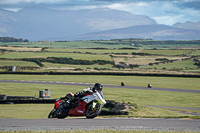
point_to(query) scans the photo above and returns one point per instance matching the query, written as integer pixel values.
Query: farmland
(111, 56)
(126, 55)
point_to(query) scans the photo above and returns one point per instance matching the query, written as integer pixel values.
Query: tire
(92, 113)
(52, 114)
(61, 114)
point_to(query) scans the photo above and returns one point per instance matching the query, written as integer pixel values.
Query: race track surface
(160, 124)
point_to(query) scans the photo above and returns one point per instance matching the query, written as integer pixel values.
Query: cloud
(190, 4)
(44, 1)
(163, 12)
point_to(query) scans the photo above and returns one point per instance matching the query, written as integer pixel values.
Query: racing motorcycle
(88, 104)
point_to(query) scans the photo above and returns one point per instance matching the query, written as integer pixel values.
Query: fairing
(78, 111)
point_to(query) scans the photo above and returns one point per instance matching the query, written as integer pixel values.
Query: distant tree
(12, 39)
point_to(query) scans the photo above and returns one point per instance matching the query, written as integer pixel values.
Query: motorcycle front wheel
(93, 112)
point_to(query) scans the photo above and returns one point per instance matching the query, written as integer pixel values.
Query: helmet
(97, 87)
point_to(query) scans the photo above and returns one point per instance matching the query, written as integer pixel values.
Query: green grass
(79, 50)
(142, 60)
(30, 111)
(17, 63)
(19, 89)
(65, 66)
(41, 111)
(185, 64)
(197, 52)
(72, 44)
(166, 46)
(95, 51)
(158, 98)
(143, 97)
(167, 52)
(44, 54)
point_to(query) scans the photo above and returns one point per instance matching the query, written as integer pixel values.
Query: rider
(97, 87)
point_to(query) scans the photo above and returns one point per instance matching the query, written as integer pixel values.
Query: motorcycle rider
(73, 98)
(97, 87)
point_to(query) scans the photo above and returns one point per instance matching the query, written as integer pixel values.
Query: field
(18, 63)
(176, 63)
(168, 52)
(18, 55)
(126, 55)
(186, 64)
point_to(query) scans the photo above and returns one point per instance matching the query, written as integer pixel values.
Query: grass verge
(41, 111)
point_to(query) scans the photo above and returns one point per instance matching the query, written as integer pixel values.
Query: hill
(37, 24)
(157, 32)
(46, 24)
(188, 25)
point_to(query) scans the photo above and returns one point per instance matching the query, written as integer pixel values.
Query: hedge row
(104, 73)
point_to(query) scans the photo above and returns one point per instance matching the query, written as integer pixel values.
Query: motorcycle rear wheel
(93, 112)
(61, 114)
(52, 114)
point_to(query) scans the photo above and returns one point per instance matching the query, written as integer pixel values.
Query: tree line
(12, 39)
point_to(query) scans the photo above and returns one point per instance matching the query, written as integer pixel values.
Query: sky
(166, 12)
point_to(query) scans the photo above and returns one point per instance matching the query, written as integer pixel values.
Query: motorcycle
(88, 104)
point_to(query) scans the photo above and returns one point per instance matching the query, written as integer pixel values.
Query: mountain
(46, 24)
(157, 32)
(188, 25)
(37, 24)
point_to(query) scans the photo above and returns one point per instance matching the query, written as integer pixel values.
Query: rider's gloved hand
(88, 90)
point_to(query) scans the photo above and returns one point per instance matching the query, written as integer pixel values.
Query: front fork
(93, 105)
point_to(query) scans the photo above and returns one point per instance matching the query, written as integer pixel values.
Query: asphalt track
(156, 124)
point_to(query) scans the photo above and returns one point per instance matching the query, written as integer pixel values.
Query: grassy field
(167, 52)
(17, 63)
(84, 50)
(140, 97)
(185, 64)
(44, 55)
(141, 60)
(95, 51)
(197, 52)
(121, 51)
(71, 44)
(53, 66)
